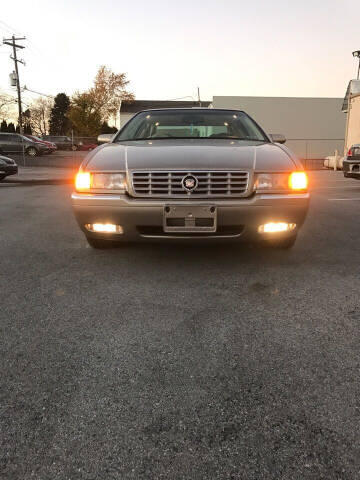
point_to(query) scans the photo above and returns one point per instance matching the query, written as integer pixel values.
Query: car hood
(191, 154)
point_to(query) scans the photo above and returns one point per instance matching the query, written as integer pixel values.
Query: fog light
(274, 227)
(104, 228)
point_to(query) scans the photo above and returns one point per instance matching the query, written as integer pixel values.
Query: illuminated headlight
(281, 182)
(100, 181)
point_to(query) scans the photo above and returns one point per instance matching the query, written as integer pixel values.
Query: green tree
(11, 128)
(59, 122)
(27, 121)
(84, 116)
(105, 128)
(4, 126)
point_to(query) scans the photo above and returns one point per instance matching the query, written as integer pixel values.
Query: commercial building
(314, 127)
(129, 109)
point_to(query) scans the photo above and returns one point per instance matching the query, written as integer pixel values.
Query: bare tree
(40, 115)
(7, 103)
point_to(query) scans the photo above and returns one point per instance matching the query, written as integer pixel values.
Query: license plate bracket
(190, 219)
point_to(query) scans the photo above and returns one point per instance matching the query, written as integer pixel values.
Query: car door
(5, 143)
(16, 143)
(58, 142)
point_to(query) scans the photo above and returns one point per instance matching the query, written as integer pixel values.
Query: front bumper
(8, 169)
(142, 219)
(351, 168)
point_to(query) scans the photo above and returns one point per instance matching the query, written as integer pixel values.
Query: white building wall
(353, 132)
(314, 127)
(125, 117)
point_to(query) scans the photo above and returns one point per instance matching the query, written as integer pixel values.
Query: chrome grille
(210, 184)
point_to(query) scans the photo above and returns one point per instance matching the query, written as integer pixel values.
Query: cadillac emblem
(189, 183)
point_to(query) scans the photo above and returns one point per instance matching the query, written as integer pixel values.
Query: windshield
(165, 124)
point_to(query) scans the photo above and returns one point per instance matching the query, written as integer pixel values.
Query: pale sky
(168, 48)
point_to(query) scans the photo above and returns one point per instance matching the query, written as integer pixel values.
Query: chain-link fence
(312, 152)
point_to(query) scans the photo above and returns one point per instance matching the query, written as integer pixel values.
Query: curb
(48, 181)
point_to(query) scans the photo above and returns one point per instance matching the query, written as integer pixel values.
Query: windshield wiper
(232, 137)
(150, 138)
(212, 137)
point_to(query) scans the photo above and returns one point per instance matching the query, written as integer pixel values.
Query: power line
(9, 28)
(12, 43)
(38, 93)
(181, 98)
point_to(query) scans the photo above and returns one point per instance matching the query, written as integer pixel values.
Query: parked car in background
(61, 142)
(7, 167)
(14, 143)
(87, 147)
(50, 146)
(191, 175)
(351, 164)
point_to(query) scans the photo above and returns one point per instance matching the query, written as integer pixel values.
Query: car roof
(192, 109)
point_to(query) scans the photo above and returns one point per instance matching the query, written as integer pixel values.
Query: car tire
(31, 151)
(2, 177)
(74, 148)
(100, 244)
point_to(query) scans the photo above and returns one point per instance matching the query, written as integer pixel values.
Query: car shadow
(170, 256)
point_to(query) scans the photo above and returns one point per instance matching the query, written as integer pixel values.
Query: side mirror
(277, 137)
(105, 138)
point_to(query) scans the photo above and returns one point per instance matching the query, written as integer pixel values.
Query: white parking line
(345, 188)
(342, 199)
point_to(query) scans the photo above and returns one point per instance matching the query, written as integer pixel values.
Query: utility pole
(199, 97)
(12, 43)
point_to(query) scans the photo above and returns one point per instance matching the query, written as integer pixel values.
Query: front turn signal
(83, 181)
(298, 181)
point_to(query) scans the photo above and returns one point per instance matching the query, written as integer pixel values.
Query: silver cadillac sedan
(193, 175)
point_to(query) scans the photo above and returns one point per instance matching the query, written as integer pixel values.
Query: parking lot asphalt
(178, 362)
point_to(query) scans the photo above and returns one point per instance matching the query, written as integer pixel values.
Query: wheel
(2, 177)
(284, 243)
(90, 148)
(100, 244)
(74, 148)
(31, 151)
